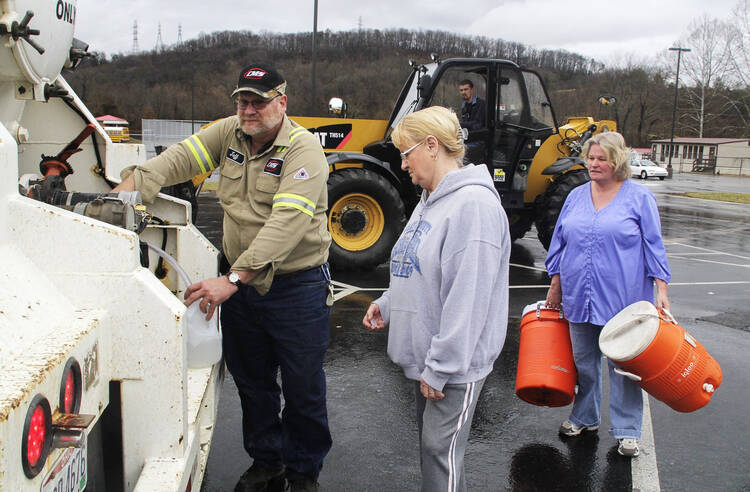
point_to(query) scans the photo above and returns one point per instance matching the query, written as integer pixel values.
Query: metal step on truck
(97, 391)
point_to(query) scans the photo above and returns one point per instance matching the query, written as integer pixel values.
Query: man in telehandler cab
(473, 107)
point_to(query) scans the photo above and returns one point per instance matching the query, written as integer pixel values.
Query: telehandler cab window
(509, 108)
(448, 90)
(539, 105)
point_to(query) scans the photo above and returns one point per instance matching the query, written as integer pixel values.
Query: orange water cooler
(661, 357)
(546, 374)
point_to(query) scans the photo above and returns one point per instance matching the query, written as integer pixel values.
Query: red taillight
(70, 387)
(69, 393)
(37, 436)
(35, 439)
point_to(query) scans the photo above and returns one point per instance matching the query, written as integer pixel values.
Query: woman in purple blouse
(606, 253)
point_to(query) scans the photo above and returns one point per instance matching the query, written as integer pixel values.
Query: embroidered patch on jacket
(301, 174)
(273, 167)
(235, 155)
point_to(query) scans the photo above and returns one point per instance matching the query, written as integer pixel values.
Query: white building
(730, 156)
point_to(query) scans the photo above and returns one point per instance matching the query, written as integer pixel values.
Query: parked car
(643, 168)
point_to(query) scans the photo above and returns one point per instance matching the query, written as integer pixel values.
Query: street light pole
(679, 51)
(192, 93)
(315, 32)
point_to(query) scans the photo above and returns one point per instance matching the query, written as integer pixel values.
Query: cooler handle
(628, 375)
(670, 318)
(540, 305)
(636, 320)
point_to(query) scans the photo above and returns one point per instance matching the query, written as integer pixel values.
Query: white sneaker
(629, 447)
(570, 429)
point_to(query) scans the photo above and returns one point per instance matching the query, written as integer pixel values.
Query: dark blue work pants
(288, 328)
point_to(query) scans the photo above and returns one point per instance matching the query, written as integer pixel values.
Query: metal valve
(23, 31)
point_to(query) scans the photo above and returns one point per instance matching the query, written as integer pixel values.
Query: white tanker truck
(96, 391)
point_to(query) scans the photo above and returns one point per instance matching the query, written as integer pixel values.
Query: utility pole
(192, 93)
(315, 32)
(679, 51)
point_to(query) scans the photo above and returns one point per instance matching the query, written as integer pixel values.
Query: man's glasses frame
(257, 104)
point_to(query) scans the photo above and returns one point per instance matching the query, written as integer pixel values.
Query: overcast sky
(606, 30)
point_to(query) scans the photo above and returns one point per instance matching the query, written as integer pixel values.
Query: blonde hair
(613, 145)
(440, 122)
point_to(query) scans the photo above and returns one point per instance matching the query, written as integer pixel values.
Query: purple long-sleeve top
(607, 259)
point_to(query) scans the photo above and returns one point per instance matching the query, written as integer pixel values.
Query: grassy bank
(723, 197)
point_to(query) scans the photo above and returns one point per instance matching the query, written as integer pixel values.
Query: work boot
(303, 484)
(261, 478)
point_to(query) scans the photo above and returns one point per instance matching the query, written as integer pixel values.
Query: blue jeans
(286, 329)
(625, 397)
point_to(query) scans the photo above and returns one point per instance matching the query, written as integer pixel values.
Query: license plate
(69, 473)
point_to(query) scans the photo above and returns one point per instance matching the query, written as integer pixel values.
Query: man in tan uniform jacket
(272, 188)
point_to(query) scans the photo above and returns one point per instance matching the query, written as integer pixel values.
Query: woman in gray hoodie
(447, 303)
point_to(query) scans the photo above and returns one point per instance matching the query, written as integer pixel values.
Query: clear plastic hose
(169, 259)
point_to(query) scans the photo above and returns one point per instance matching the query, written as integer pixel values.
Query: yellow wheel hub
(356, 221)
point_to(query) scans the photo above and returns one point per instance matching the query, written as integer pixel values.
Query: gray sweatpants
(443, 432)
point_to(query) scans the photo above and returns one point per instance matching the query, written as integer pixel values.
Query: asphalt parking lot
(514, 445)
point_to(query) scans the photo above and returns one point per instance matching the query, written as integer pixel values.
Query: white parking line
(527, 267)
(644, 470)
(719, 263)
(691, 254)
(727, 282)
(707, 249)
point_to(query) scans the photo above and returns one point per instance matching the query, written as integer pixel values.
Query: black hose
(160, 272)
(99, 166)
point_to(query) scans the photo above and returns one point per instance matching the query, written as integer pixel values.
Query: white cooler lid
(630, 332)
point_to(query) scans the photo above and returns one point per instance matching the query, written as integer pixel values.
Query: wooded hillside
(367, 69)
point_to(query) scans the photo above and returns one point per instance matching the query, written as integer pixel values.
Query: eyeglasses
(257, 104)
(405, 154)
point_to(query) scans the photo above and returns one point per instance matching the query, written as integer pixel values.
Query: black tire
(365, 217)
(644, 175)
(185, 191)
(661, 178)
(549, 204)
(520, 223)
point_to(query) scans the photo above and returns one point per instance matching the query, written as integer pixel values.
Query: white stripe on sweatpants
(462, 417)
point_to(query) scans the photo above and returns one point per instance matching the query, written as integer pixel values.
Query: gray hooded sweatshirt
(447, 304)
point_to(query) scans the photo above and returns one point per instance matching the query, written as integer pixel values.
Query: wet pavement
(514, 445)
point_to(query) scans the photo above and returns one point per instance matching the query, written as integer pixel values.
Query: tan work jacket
(274, 202)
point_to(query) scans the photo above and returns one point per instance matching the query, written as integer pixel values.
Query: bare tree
(739, 44)
(703, 67)
(738, 34)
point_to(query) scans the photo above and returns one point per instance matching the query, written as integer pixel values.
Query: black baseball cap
(261, 79)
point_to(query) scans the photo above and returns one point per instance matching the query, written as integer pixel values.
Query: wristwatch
(234, 278)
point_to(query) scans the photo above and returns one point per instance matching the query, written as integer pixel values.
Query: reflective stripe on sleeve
(294, 201)
(295, 133)
(202, 157)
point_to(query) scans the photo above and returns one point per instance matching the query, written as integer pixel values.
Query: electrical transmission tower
(179, 33)
(159, 41)
(135, 36)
